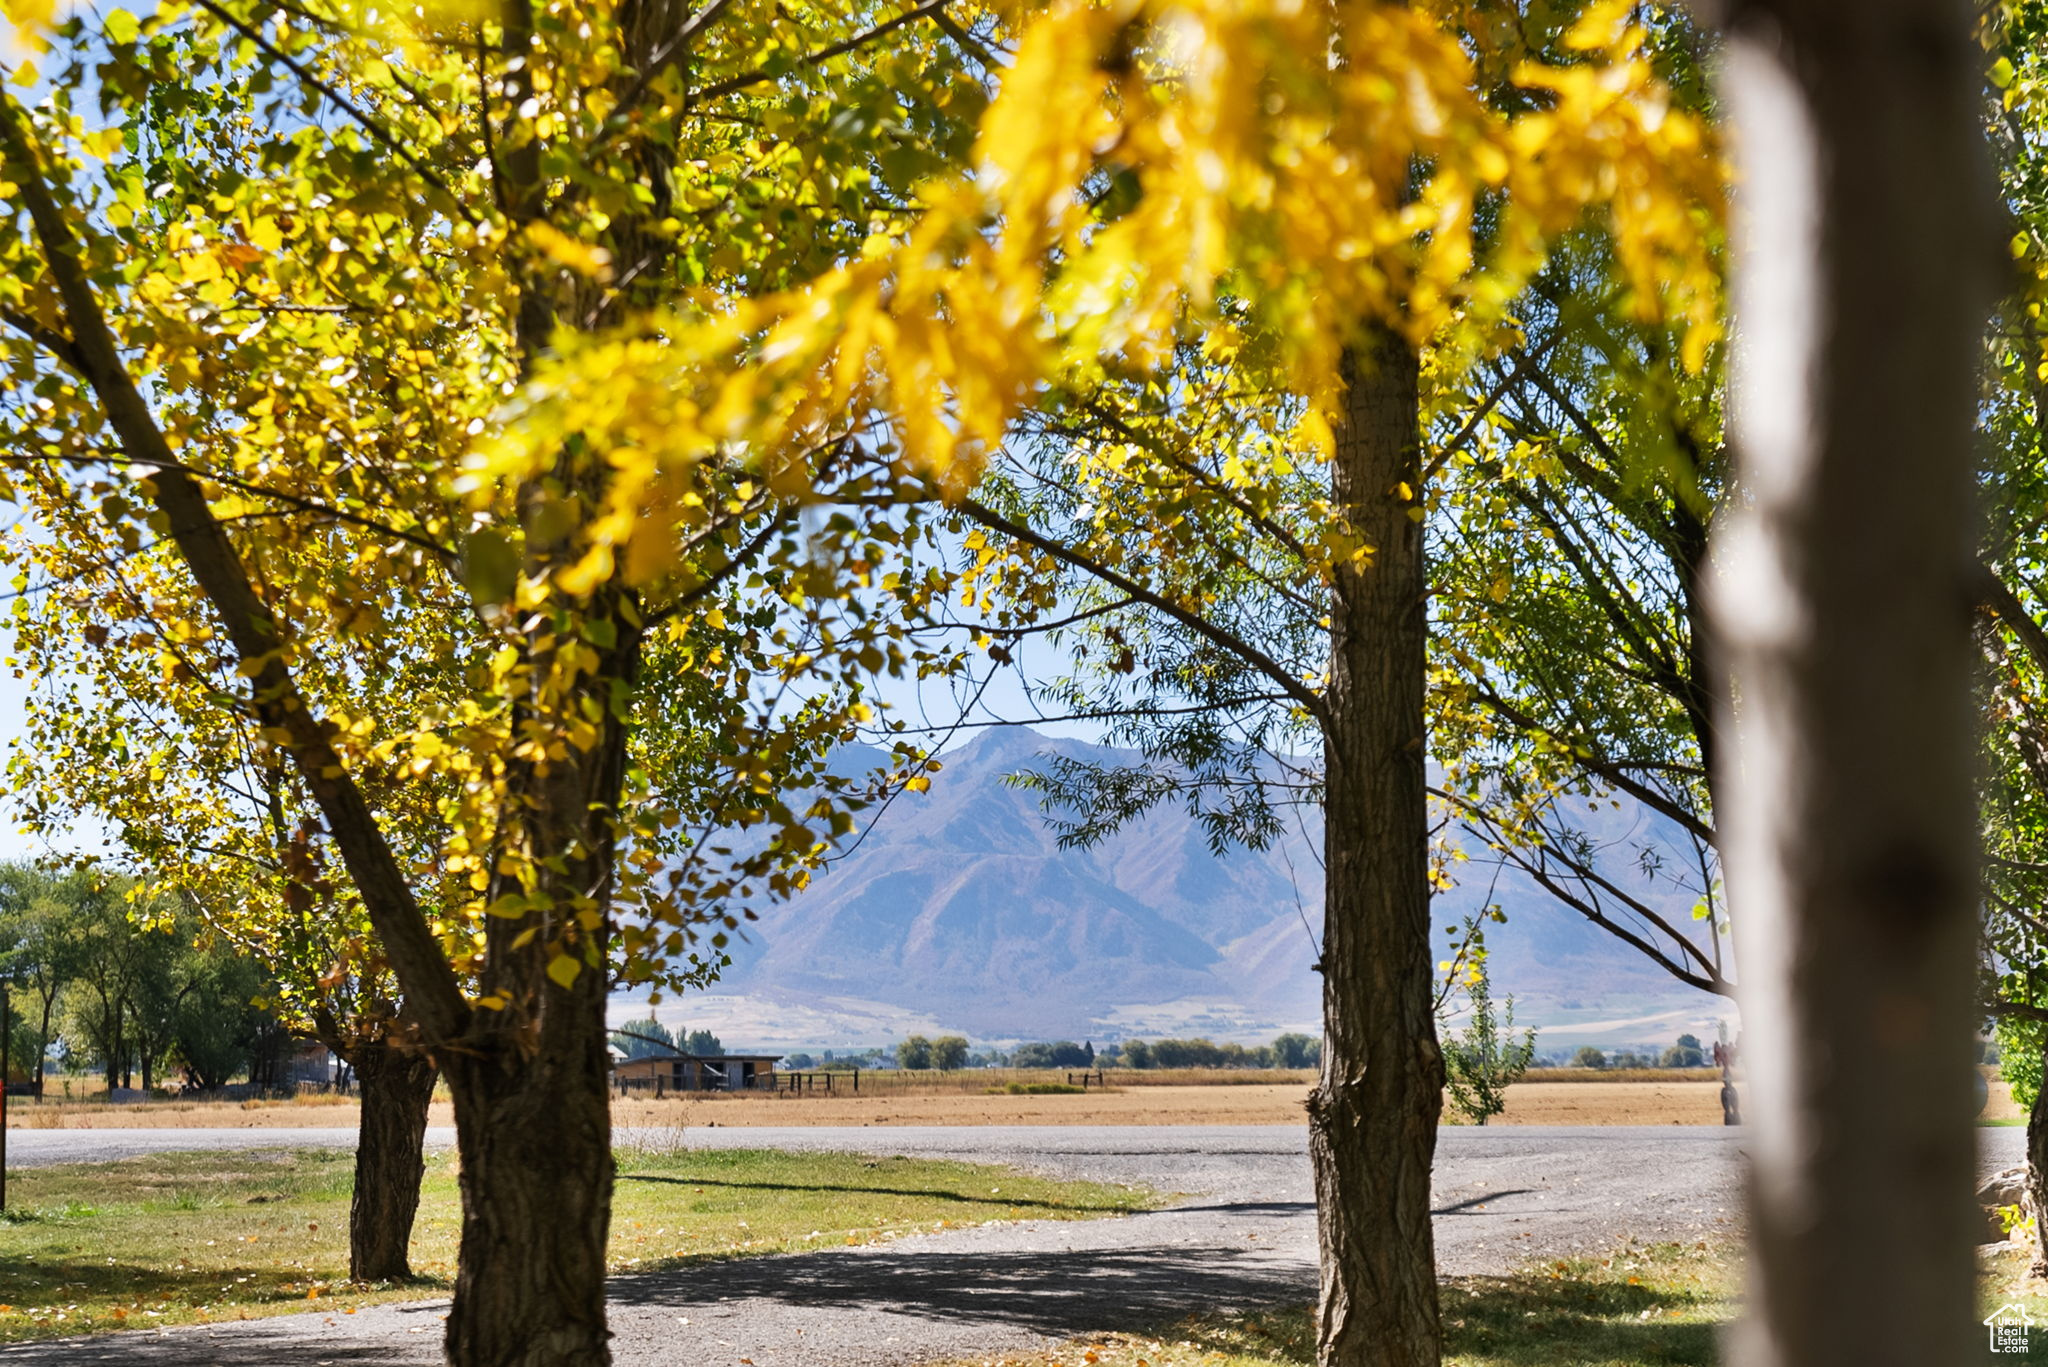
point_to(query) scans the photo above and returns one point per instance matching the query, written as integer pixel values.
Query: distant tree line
(945, 1053)
(649, 1037)
(137, 989)
(1287, 1051)
(1686, 1052)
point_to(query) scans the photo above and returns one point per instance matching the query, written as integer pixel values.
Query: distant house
(312, 1064)
(663, 1073)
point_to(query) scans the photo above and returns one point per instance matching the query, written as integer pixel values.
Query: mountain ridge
(958, 910)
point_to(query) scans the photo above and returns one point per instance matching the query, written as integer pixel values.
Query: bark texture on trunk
(531, 1087)
(396, 1087)
(1843, 593)
(1373, 1115)
(534, 1134)
(2037, 1174)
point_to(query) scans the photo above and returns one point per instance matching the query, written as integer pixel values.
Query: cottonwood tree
(1148, 174)
(129, 728)
(292, 384)
(194, 797)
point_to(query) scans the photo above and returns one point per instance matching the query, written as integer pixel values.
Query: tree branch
(342, 102)
(823, 54)
(428, 979)
(1605, 769)
(1228, 640)
(2000, 602)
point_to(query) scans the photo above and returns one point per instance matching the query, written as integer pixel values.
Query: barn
(665, 1073)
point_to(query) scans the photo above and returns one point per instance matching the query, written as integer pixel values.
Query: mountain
(959, 911)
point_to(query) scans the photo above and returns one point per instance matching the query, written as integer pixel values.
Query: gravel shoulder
(1241, 1234)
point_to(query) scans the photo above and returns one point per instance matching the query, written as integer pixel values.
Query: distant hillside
(959, 911)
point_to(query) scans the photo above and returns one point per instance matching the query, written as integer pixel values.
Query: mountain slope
(959, 909)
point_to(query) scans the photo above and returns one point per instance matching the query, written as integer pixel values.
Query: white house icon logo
(2009, 1325)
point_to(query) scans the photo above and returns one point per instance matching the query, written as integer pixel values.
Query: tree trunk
(534, 1135)
(1373, 1115)
(390, 1160)
(43, 1036)
(2037, 1170)
(1843, 599)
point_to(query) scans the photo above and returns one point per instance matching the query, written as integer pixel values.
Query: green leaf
(490, 568)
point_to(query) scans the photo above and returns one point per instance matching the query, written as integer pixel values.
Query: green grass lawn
(184, 1238)
(1647, 1306)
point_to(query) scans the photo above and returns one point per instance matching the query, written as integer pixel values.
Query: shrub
(1040, 1089)
(1481, 1060)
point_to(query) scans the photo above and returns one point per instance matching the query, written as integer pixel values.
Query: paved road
(1244, 1234)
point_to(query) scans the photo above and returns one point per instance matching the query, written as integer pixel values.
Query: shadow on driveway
(1058, 1293)
(1052, 1292)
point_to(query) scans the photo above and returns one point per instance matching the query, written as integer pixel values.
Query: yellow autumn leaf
(579, 256)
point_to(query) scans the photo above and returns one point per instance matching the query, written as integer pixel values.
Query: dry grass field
(1555, 1097)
